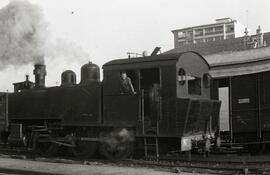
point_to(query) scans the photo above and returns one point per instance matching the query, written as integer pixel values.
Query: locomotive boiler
(170, 110)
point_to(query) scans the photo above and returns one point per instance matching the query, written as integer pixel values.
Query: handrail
(160, 108)
(142, 112)
(7, 122)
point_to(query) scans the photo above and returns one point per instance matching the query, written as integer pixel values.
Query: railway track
(210, 167)
(214, 164)
(7, 171)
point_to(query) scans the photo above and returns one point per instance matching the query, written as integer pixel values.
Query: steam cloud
(24, 37)
(116, 138)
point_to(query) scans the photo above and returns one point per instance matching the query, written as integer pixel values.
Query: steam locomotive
(170, 111)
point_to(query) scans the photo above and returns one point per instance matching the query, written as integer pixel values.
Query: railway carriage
(170, 111)
(243, 79)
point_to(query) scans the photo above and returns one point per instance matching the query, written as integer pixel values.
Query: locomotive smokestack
(40, 73)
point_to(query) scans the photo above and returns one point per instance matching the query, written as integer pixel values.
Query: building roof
(243, 62)
(205, 25)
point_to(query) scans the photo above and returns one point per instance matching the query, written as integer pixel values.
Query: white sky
(107, 29)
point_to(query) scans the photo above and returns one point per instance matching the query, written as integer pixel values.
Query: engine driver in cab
(126, 86)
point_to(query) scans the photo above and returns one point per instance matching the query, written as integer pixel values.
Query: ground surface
(28, 167)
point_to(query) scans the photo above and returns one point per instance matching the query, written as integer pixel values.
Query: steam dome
(90, 72)
(68, 78)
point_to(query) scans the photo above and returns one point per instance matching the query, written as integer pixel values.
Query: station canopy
(228, 64)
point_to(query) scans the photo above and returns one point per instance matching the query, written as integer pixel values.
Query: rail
(212, 165)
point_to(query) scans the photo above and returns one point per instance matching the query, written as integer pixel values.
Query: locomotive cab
(172, 101)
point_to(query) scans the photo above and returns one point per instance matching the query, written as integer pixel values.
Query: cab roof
(147, 59)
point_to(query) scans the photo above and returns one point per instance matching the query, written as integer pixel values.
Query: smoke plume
(24, 37)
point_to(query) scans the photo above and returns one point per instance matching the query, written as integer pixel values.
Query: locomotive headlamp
(185, 144)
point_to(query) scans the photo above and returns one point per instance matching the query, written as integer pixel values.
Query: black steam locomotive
(171, 109)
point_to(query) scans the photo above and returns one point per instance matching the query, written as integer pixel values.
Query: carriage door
(264, 92)
(150, 86)
(244, 104)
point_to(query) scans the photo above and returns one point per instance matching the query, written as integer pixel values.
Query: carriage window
(181, 76)
(194, 85)
(206, 80)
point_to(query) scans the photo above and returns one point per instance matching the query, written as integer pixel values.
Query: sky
(108, 29)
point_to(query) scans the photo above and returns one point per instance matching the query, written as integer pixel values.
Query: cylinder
(89, 72)
(40, 73)
(68, 78)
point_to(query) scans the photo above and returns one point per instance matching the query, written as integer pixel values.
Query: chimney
(40, 73)
(26, 78)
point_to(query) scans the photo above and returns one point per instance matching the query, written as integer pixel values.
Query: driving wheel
(116, 152)
(84, 149)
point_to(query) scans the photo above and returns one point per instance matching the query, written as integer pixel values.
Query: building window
(229, 28)
(217, 38)
(190, 42)
(181, 43)
(181, 35)
(199, 32)
(208, 30)
(219, 29)
(189, 34)
(209, 39)
(181, 39)
(198, 40)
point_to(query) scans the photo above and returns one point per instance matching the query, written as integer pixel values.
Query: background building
(224, 28)
(244, 42)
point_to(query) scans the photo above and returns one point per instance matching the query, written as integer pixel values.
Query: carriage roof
(236, 63)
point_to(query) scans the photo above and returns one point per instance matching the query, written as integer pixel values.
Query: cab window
(181, 76)
(194, 85)
(206, 80)
(128, 82)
